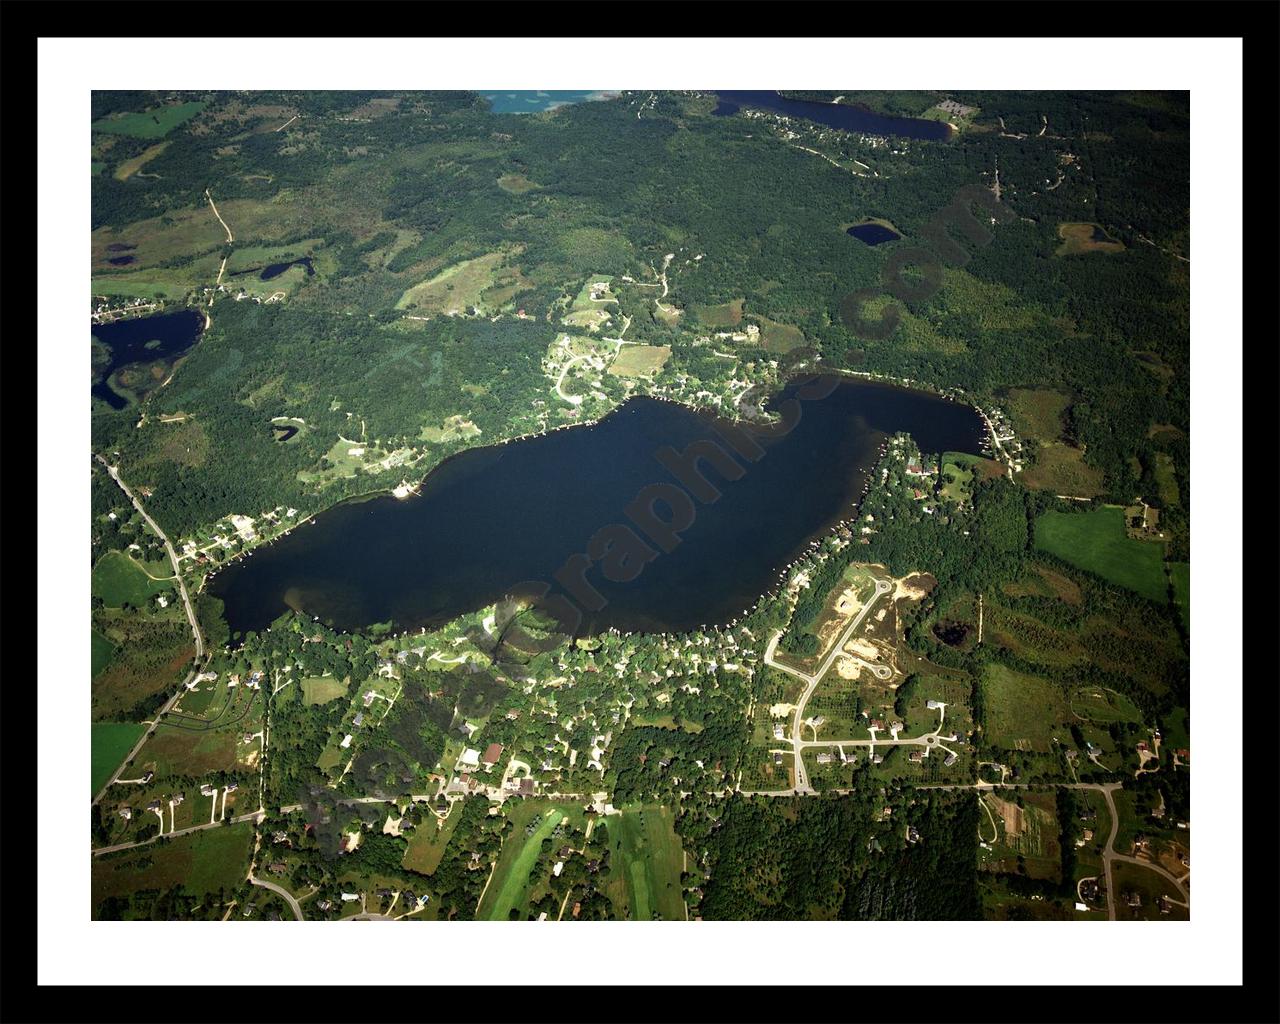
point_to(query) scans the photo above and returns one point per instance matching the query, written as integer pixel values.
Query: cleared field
(1166, 479)
(455, 288)
(1060, 468)
(511, 876)
(1096, 542)
(150, 124)
(644, 840)
(131, 167)
(1041, 581)
(516, 184)
(1099, 704)
(1022, 712)
(640, 360)
(1038, 412)
(118, 581)
(186, 752)
(727, 314)
(202, 862)
(101, 651)
(776, 337)
(1028, 830)
(1084, 237)
(109, 742)
(1030, 638)
(427, 844)
(322, 689)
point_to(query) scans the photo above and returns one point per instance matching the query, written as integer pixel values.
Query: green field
(117, 580)
(427, 844)
(1098, 704)
(153, 124)
(511, 876)
(1022, 712)
(101, 651)
(202, 862)
(322, 689)
(1096, 542)
(645, 843)
(108, 744)
(1180, 573)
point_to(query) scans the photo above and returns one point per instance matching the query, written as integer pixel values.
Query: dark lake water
(491, 518)
(835, 115)
(146, 340)
(873, 234)
(276, 269)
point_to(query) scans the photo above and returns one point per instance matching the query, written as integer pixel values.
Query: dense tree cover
(838, 856)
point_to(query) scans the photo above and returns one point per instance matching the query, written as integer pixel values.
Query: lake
(491, 518)
(873, 234)
(530, 101)
(140, 353)
(835, 115)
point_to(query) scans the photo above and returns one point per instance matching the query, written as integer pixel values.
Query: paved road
(191, 617)
(249, 816)
(802, 779)
(280, 891)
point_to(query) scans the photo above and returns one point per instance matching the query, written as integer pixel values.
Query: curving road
(279, 891)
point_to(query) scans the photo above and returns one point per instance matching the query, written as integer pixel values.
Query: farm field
(1060, 468)
(726, 314)
(427, 844)
(109, 742)
(1096, 542)
(640, 360)
(202, 862)
(1023, 712)
(101, 651)
(118, 580)
(149, 124)
(1103, 706)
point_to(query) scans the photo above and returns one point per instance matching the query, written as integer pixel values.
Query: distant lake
(873, 234)
(134, 351)
(530, 101)
(491, 518)
(835, 115)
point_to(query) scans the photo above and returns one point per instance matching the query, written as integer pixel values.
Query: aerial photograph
(637, 505)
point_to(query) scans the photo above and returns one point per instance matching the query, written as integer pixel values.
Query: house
(469, 759)
(934, 705)
(324, 904)
(358, 720)
(913, 835)
(778, 731)
(492, 753)
(577, 909)
(346, 741)
(278, 868)
(1133, 899)
(916, 756)
(526, 787)
(777, 757)
(147, 776)
(825, 758)
(279, 837)
(177, 798)
(876, 723)
(468, 730)
(208, 790)
(950, 759)
(1085, 836)
(232, 787)
(559, 866)
(347, 897)
(126, 813)
(368, 698)
(895, 727)
(384, 894)
(154, 805)
(876, 759)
